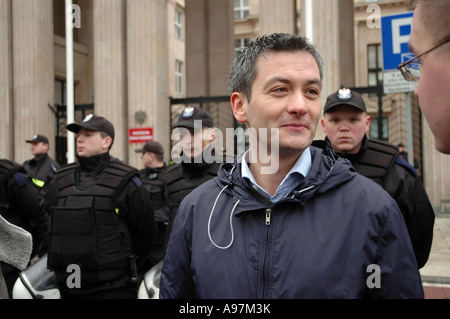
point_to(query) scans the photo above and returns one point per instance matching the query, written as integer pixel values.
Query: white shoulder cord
(231, 221)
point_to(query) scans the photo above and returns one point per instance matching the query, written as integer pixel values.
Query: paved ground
(436, 291)
(436, 273)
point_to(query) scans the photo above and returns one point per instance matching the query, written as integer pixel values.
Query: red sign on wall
(140, 135)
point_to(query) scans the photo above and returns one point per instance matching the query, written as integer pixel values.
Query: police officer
(153, 177)
(101, 218)
(41, 168)
(345, 122)
(192, 168)
(21, 205)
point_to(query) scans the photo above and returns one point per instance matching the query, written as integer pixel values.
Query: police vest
(179, 186)
(8, 169)
(155, 184)
(376, 162)
(87, 227)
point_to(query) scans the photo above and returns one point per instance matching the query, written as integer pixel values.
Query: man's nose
(298, 104)
(344, 126)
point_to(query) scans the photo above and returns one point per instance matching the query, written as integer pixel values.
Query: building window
(375, 65)
(178, 24)
(241, 9)
(178, 77)
(60, 92)
(374, 129)
(240, 43)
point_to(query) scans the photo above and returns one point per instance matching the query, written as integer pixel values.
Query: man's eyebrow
(276, 79)
(284, 80)
(315, 81)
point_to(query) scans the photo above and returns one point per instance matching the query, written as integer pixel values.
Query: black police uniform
(380, 161)
(101, 217)
(190, 173)
(182, 179)
(21, 205)
(154, 180)
(42, 169)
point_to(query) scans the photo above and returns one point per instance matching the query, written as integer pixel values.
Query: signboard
(140, 135)
(395, 32)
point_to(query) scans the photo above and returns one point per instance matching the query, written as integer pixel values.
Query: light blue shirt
(298, 172)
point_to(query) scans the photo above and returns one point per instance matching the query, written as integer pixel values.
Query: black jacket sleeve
(417, 211)
(135, 204)
(25, 200)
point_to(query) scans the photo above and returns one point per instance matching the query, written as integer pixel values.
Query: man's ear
(322, 121)
(107, 141)
(209, 134)
(239, 104)
(368, 121)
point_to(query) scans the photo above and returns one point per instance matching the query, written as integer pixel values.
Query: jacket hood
(327, 172)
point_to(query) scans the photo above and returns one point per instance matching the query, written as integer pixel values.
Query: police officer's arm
(176, 277)
(399, 275)
(27, 202)
(135, 202)
(51, 196)
(417, 211)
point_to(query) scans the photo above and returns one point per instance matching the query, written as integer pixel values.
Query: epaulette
(402, 162)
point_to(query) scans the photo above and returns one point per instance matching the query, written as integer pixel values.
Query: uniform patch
(137, 181)
(20, 180)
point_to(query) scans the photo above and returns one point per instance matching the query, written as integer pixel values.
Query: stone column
(147, 71)
(333, 36)
(209, 46)
(209, 53)
(33, 73)
(6, 98)
(110, 89)
(277, 16)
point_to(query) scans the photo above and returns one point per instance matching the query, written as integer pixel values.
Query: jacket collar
(353, 158)
(328, 171)
(40, 158)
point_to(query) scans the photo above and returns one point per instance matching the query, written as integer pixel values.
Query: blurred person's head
(430, 30)
(195, 127)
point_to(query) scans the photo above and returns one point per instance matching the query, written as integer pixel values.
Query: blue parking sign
(395, 32)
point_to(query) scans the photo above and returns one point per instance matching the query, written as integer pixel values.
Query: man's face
(147, 159)
(285, 96)
(194, 141)
(345, 127)
(433, 89)
(38, 148)
(90, 143)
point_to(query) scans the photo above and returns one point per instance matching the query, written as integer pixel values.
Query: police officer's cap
(151, 147)
(38, 138)
(345, 97)
(93, 123)
(194, 113)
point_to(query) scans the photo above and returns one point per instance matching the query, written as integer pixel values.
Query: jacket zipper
(268, 214)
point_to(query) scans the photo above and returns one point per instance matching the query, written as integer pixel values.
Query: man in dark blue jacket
(288, 219)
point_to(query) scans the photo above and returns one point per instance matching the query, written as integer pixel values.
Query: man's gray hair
(243, 72)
